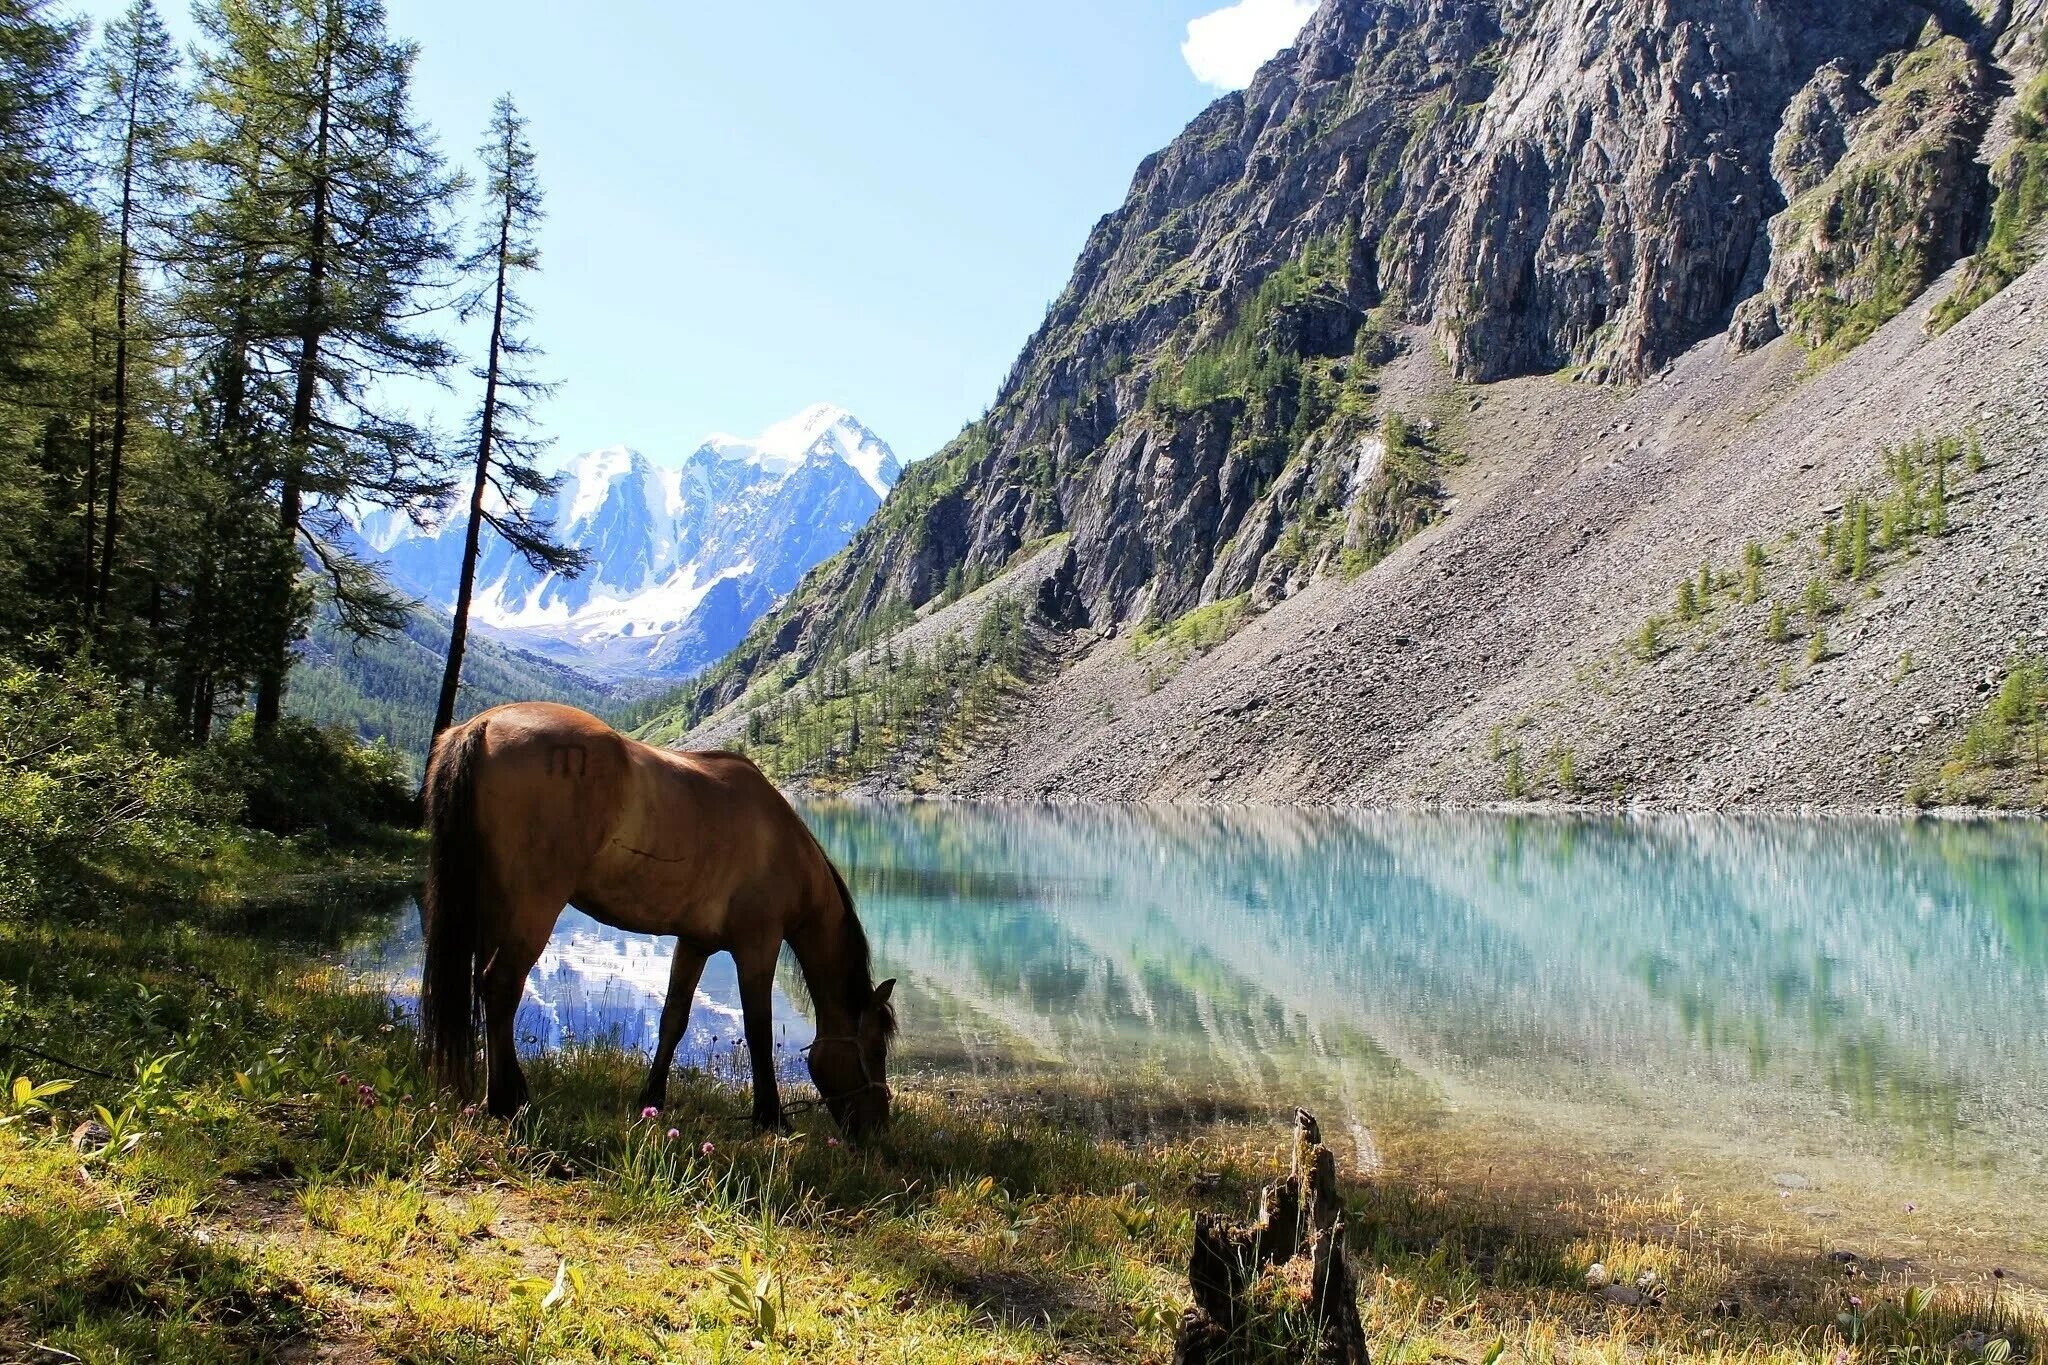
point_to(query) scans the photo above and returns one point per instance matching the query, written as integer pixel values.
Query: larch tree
(330, 230)
(506, 458)
(137, 115)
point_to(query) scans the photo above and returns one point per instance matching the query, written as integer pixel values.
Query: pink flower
(1855, 1301)
(674, 1133)
(706, 1149)
(831, 1142)
(650, 1112)
(1842, 1356)
(469, 1111)
(1912, 1207)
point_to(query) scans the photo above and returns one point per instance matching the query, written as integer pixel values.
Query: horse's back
(550, 783)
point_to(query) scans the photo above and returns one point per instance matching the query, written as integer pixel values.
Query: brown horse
(536, 806)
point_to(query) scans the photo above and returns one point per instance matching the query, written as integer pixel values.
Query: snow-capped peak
(820, 429)
(684, 554)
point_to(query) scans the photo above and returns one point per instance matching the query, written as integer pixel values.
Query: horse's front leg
(675, 1018)
(757, 1009)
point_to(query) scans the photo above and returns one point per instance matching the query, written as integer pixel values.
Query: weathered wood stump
(1285, 1278)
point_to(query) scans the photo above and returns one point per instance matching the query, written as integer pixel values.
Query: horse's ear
(883, 992)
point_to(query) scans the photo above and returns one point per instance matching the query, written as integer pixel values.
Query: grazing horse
(536, 806)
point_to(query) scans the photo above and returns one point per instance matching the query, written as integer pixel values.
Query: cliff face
(1215, 406)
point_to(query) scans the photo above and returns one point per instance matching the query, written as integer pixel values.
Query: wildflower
(1842, 1356)
(1855, 1301)
(469, 1111)
(1998, 1272)
(650, 1112)
(1911, 1207)
(674, 1133)
(834, 1142)
(706, 1149)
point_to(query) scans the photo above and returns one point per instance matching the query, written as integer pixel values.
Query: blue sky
(756, 206)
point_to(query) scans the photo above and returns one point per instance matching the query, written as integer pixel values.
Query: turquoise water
(1799, 994)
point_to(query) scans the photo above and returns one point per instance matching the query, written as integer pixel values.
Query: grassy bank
(271, 1178)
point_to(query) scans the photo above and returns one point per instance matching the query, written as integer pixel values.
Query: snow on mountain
(683, 555)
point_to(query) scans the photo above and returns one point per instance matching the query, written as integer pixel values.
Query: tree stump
(1284, 1279)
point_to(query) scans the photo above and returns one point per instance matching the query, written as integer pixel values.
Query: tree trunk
(1301, 1245)
(118, 444)
(458, 631)
(298, 452)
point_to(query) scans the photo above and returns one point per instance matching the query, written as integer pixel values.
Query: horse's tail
(451, 907)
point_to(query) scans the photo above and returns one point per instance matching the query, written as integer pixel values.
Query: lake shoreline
(806, 792)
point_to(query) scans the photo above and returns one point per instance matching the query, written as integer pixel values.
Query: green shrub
(86, 782)
(1777, 630)
(310, 780)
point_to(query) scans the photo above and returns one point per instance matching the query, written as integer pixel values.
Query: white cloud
(1225, 47)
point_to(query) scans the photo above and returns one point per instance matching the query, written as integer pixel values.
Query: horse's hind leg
(757, 1009)
(506, 964)
(675, 1017)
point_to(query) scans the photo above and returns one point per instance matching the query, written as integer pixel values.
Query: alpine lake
(1831, 1032)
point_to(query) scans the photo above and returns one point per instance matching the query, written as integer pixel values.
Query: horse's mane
(858, 979)
(857, 966)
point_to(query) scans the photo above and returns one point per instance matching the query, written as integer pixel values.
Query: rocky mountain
(684, 556)
(1327, 325)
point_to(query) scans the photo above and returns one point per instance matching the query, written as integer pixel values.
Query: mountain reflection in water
(1886, 980)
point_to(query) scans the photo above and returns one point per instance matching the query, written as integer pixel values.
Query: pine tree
(137, 118)
(505, 459)
(327, 227)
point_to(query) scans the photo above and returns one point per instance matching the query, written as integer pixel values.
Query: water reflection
(594, 983)
(1888, 979)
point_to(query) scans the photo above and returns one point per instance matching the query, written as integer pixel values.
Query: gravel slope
(1576, 512)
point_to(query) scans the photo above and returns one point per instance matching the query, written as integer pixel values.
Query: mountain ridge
(685, 553)
(1257, 382)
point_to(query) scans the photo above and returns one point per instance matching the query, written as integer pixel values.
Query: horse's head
(851, 1070)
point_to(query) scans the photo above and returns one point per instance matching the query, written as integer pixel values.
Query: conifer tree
(38, 79)
(136, 115)
(38, 59)
(328, 229)
(505, 457)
